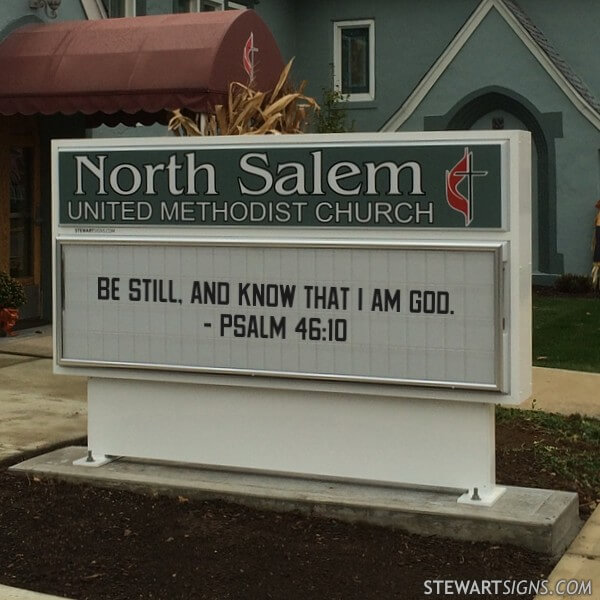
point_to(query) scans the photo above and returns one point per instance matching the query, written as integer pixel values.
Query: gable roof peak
(534, 40)
(557, 60)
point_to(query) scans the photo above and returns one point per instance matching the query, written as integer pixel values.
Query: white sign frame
(110, 432)
(497, 250)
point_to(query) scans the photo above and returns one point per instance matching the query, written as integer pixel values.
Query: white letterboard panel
(393, 314)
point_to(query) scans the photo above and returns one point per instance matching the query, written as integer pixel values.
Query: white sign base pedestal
(400, 441)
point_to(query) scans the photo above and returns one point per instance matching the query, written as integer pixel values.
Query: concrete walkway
(580, 562)
(37, 408)
(10, 593)
(565, 392)
(36, 342)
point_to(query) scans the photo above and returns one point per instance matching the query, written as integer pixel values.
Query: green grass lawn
(566, 332)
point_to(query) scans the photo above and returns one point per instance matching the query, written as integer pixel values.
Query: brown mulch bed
(99, 544)
(518, 463)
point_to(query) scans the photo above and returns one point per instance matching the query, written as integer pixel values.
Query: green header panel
(356, 185)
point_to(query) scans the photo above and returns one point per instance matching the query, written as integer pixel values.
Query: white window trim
(195, 6)
(338, 26)
(94, 9)
(218, 5)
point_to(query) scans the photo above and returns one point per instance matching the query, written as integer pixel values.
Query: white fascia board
(456, 45)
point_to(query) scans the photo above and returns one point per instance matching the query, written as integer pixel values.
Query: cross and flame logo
(248, 57)
(461, 171)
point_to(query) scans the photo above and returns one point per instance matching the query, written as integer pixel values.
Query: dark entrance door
(19, 207)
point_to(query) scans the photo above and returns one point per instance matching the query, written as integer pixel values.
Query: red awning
(131, 65)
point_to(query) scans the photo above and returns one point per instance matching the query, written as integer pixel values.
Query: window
(138, 8)
(21, 211)
(182, 6)
(354, 59)
(125, 8)
(210, 5)
(199, 5)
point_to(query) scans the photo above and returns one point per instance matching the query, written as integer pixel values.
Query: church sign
(360, 185)
(376, 281)
(389, 308)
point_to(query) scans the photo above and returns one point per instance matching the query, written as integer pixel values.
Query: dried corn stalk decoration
(595, 275)
(250, 112)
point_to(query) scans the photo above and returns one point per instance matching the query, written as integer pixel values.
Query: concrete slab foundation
(545, 521)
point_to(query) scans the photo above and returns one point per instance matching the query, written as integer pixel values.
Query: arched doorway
(495, 108)
(502, 119)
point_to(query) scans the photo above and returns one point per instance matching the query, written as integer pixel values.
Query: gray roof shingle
(559, 62)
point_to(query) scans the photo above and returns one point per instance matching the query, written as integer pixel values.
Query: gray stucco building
(470, 64)
(402, 66)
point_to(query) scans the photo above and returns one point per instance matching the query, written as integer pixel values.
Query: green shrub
(332, 116)
(12, 294)
(570, 283)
